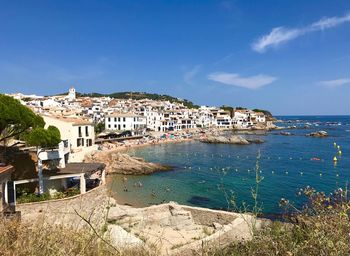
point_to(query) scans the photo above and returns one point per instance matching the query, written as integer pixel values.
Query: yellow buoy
(339, 152)
(335, 144)
(335, 159)
(338, 147)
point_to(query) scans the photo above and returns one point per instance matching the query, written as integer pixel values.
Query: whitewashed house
(242, 119)
(258, 117)
(223, 119)
(126, 122)
(205, 117)
(79, 133)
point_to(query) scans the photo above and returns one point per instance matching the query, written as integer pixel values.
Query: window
(79, 142)
(115, 126)
(123, 119)
(118, 126)
(109, 126)
(118, 119)
(79, 132)
(109, 119)
(115, 119)
(87, 131)
(124, 126)
(134, 119)
(82, 142)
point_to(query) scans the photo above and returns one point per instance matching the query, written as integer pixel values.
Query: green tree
(266, 112)
(99, 127)
(42, 138)
(15, 118)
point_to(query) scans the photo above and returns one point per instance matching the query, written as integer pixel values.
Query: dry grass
(320, 228)
(42, 239)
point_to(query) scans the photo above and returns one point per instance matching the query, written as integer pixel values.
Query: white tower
(71, 94)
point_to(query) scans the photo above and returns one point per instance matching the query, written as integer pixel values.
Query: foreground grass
(321, 228)
(42, 239)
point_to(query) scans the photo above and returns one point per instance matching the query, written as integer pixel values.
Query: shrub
(320, 228)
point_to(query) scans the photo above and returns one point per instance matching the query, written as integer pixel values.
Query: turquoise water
(210, 175)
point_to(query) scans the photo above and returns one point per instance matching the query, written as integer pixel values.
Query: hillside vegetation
(139, 96)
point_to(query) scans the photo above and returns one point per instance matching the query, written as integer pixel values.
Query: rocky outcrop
(318, 134)
(120, 238)
(285, 133)
(234, 139)
(120, 163)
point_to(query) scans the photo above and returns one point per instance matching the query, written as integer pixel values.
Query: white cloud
(336, 82)
(281, 35)
(189, 75)
(252, 82)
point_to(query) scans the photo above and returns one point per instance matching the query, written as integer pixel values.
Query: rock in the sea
(318, 134)
(124, 164)
(234, 139)
(285, 133)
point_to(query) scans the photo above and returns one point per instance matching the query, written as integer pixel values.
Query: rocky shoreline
(170, 228)
(120, 163)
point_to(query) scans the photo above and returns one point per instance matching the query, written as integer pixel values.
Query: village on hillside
(101, 124)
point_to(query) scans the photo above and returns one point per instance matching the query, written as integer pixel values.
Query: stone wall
(92, 205)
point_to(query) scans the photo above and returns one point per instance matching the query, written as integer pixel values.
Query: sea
(222, 176)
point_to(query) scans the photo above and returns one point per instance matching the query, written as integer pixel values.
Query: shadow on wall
(23, 162)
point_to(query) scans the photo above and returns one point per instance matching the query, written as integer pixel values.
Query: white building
(223, 119)
(242, 119)
(205, 117)
(258, 117)
(126, 122)
(79, 133)
(153, 118)
(71, 94)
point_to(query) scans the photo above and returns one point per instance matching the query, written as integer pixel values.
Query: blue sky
(291, 57)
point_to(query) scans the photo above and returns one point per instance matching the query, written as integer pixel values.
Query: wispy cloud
(189, 75)
(281, 35)
(335, 83)
(252, 82)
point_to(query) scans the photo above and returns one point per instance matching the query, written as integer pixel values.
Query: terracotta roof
(75, 121)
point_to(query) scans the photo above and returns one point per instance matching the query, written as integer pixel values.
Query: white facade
(126, 122)
(242, 119)
(71, 94)
(79, 133)
(258, 117)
